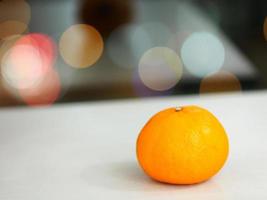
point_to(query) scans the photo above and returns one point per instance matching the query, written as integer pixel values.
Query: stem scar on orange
(183, 145)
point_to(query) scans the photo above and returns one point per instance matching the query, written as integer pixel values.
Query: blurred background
(54, 51)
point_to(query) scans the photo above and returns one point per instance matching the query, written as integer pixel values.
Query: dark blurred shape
(6, 98)
(105, 15)
(241, 19)
(265, 28)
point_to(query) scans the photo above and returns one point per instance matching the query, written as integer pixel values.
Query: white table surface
(87, 150)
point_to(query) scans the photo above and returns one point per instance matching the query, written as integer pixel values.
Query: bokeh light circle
(44, 45)
(221, 81)
(81, 46)
(17, 10)
(21, 66)
(160, 68)
(28, 58)
(11, 27)
(27, 67)
(202, 53)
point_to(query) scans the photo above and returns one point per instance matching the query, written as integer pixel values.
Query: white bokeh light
(160, 68)
(22, 67)
(202, 53)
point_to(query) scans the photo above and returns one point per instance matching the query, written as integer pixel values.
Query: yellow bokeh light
(221, 81)
(265, 28)
(17, 10)
(160, 68)
(11, 27)
(81, 46)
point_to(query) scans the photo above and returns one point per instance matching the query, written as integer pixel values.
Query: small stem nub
(177, 109)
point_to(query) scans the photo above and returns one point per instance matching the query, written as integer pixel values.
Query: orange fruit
(183, 145)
